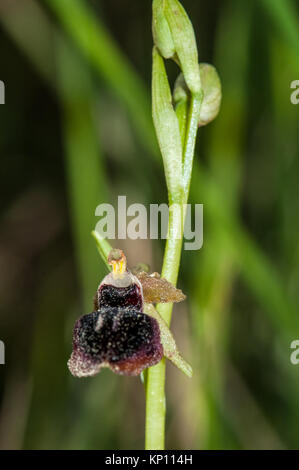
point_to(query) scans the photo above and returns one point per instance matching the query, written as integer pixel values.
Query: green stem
(155, 393)
(155, 385)
(191, 132)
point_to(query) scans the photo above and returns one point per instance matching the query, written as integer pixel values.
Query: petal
(169, 345)
(157, 289)
(125, 340)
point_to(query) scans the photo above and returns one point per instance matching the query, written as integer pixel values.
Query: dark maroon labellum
(123, 339)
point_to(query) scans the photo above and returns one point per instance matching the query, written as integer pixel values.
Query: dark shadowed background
(76, 131)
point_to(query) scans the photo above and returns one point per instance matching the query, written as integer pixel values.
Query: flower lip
(123, 339)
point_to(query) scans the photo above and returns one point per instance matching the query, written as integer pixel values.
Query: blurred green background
(76, 131)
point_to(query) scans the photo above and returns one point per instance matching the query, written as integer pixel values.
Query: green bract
(167, 127)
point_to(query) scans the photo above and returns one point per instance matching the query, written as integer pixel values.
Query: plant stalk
(155, 385)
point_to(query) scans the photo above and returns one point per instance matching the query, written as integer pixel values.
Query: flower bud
(211, 87)
(180, 92)
(184, 42)
(212, 94)
(161, 32)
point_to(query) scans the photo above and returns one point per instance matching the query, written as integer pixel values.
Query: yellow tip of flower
(118, 268)
(118, 262)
